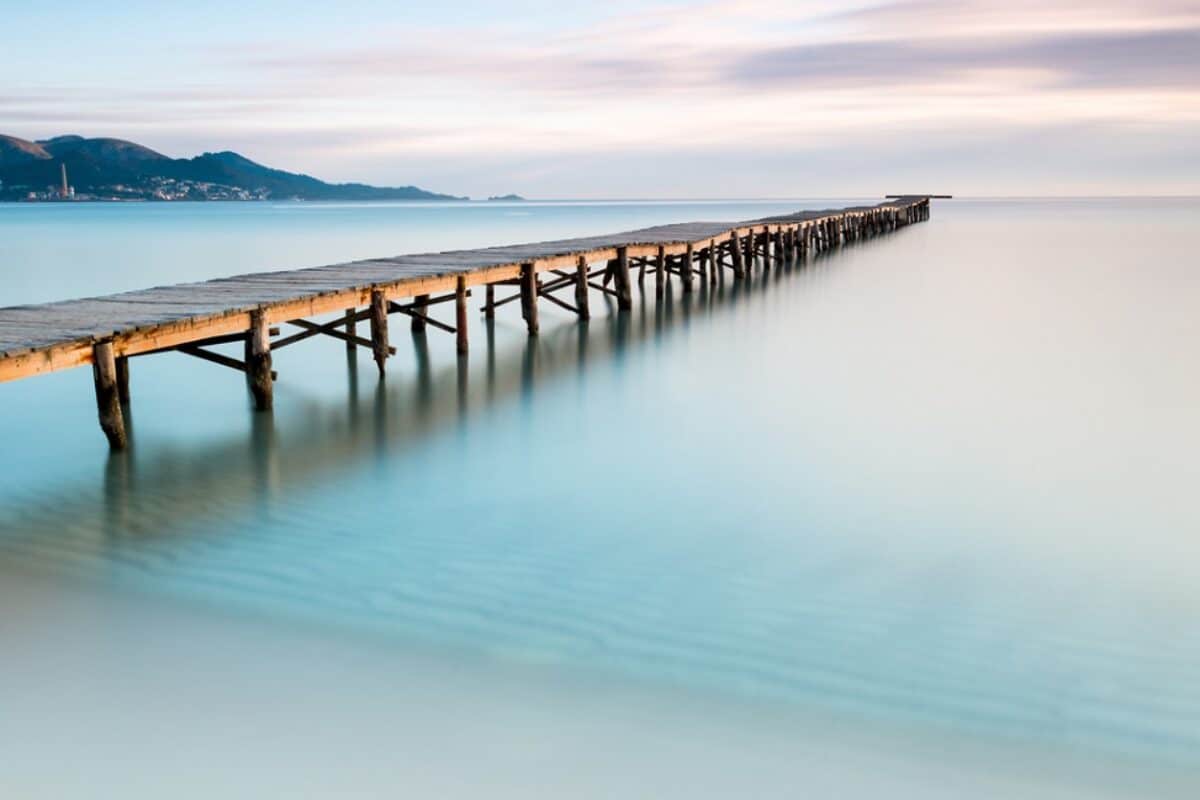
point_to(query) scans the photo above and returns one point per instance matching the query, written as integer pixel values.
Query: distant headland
(74, 168)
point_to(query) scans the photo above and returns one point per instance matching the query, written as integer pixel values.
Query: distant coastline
(78, 169)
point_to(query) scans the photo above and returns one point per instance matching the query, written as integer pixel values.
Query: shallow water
(932, 491)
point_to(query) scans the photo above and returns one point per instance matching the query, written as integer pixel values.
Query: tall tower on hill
(64, 190)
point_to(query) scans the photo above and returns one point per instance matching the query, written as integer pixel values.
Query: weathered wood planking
(43, 338)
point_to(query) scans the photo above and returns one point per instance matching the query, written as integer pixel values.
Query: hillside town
(148, 188)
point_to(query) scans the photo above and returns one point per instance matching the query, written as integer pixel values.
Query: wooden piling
(489, 305)
(660, 271)
(108, 401)
(581, 288)
(122, 365)
(351, 327)
(735, 247)
(379, 328)
(621, 276)
(258, 361)
(460, 316)
(421, 306)
(529, 293)
(689, 259)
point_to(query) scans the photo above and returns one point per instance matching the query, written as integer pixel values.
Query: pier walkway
(192, 317)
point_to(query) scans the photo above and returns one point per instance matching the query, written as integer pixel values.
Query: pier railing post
(379, 328)
(258, 360)
(108, 401)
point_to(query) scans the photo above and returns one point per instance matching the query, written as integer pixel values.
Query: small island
(506, 198)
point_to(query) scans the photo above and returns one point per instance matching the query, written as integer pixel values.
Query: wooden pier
(190, 318)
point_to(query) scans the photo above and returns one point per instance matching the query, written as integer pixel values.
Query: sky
(651, 99)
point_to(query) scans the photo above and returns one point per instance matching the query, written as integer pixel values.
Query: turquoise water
(939, 484)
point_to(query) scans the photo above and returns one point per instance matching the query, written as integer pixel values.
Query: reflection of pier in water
(148, 493)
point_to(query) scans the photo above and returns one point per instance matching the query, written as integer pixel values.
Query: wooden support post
(351, 327)
(489, 304)
(529, 296)
(624, 290)
(660, 271)
(689, 260)
(714, 263)
(122, 365)
(460, 317)
(258, 361)
(420, 304)
(748, 242)
(704, 256)
(581, 288)
(108, 401)
(735, 246)
(379, 328)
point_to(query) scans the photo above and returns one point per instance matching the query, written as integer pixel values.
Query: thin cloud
(1152, 60)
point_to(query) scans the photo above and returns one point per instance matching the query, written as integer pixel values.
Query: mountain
(114, 169)
(14, 151)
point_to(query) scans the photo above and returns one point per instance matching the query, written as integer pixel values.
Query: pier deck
(106, 331)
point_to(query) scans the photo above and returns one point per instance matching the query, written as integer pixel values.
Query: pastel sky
(660, 98)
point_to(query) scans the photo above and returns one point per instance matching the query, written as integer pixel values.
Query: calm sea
(917, 519)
